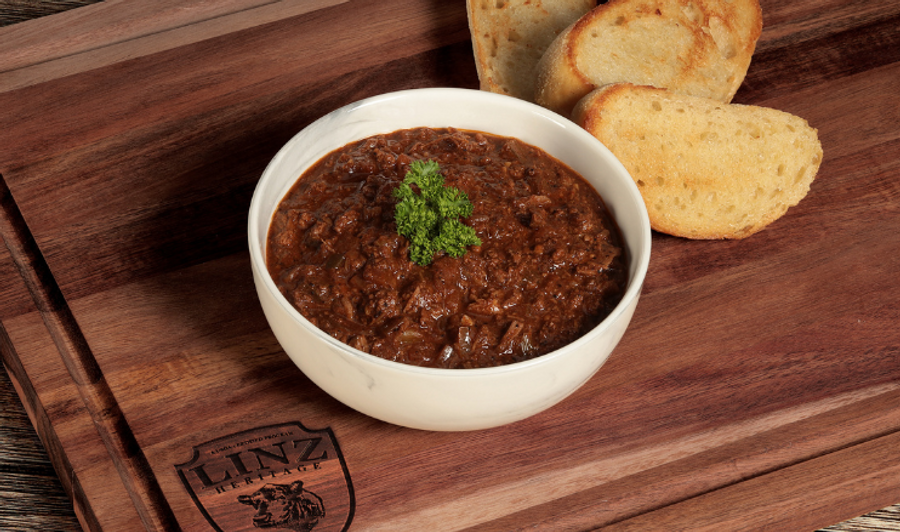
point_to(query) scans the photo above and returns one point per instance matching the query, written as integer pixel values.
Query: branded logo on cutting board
(278, 477)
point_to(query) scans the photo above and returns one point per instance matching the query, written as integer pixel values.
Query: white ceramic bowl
(448, 399)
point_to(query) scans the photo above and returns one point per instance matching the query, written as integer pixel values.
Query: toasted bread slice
(697, 47)
(706, 169)
(509, 37)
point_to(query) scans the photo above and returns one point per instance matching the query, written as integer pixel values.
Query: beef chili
(550, 265)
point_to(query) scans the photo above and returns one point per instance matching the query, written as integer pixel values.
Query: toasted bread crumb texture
(697, 47)
(558, 82)
(706, 169)
(509, 37)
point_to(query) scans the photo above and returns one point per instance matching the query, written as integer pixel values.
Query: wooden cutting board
(757, 388)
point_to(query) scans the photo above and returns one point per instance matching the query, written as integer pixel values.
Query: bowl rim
(634, 284)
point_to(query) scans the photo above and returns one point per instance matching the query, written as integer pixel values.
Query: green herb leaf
(430, 219)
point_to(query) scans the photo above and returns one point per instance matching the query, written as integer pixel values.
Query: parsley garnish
(430, 220)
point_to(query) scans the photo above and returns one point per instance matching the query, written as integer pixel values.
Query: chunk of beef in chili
(550, 267)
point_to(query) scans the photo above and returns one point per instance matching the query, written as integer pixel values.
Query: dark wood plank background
(33, 497)
(14, 11)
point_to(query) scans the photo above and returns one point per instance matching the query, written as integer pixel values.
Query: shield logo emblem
(278, 477)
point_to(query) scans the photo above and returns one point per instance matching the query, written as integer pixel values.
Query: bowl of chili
(481, 332)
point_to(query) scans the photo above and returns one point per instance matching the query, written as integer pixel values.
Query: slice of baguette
(697, 47)
(509, 37)
(706, 169)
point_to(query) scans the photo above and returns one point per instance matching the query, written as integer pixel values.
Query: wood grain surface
(17, 11)
(758, 387)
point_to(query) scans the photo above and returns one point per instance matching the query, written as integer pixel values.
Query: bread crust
(509, 37)
(697, 47)
(705, 169)
(559, 84)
